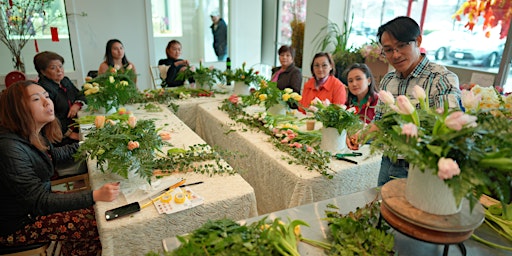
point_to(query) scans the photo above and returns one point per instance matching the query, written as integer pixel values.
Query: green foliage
(269, 95)
(111, 89)
(359, 233)
(203, 76)
(109, 146)
(226, 237)
(315, 160)
(249, 76)
(335, 116)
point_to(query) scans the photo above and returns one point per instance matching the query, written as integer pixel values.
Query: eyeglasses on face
(400, 47)
(323, 66)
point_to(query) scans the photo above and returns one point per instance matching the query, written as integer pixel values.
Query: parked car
(437, 43)
(478, 51)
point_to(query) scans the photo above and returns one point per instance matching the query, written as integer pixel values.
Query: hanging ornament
(55, 34)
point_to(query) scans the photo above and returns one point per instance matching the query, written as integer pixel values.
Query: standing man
(401, 39)
(220, 36)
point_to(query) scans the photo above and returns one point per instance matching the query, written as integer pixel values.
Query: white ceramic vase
(332, 141)
(277, 109)
(241, 88)
(427, 192)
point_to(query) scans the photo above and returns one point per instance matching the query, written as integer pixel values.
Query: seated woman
(323, 85)
(116, 58)
(32, 213)
(67, 99)
(361, 91)
(170, 67)
(287, 75)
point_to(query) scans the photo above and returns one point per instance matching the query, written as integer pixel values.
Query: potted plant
(275, 100)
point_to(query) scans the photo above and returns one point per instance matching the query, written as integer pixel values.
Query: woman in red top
(323, 85)
(361, 91)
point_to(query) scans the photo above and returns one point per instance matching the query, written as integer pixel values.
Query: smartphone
(122, 211)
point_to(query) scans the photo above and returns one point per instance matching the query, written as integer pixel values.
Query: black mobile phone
(122, 211)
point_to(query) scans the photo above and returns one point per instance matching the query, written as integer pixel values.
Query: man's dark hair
(403, 28)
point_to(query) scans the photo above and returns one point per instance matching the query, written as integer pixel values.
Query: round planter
(242, 89)
(427, 192)
(278, 109)
(332, 141)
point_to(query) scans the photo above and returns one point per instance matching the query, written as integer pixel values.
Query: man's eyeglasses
(323, 66)
(400, 47)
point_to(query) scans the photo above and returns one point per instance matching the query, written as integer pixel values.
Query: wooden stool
(25, 250)
(415, 223)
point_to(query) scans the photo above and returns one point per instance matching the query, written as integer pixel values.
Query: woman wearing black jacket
(67, 99)
(31, 212)
(170, 67)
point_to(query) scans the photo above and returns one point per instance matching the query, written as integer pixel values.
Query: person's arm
(172, 74)
(134, 72)
(103, 68)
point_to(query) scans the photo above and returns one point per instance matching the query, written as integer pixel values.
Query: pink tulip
(404, 105)
(447, 168)
(418, 92)
(459, 119)
(410, 130)
(386, 97)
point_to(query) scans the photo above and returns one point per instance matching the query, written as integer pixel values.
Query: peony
(447, 168)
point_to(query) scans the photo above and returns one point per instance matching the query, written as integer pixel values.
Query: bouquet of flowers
(203, 76)
(111, 89)
(335, 116)
(372, 51)
(269, 95)
(124, 145)
(472, 154)
(246, 76)
(476, 98)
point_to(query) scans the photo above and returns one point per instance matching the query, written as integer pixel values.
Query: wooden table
(278, 184)
(224, 196)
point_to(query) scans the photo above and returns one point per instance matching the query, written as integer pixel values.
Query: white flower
(418, 92)
(111, 79)
(404, 105)
(470, 101)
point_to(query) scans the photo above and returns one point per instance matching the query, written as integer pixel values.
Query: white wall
(127, 20)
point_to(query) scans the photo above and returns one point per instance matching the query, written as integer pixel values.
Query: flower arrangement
(472, 154)
(477, 98)
(111, 89)
(246, 76)
(123, 145)
(269, 95)
(334, 115)
(203, 76)
(372, 51)
(131, 145)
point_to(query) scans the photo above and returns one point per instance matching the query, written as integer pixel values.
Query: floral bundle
(269, 95)
(335, 116)
(111, 89)
(372, 51)
(471, 153)
(476, 98)
(247, 76)
(203, 76)
(122, 146)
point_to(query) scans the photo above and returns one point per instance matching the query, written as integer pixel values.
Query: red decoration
(493, 11)
(55, 34)
(36, 46)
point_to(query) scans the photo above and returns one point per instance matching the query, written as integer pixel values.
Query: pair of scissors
(342, 157)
